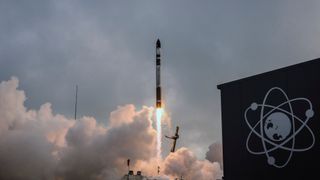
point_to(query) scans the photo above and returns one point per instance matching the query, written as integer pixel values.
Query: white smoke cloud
(37, 144)
(185, 163)
(30, 140)
(97, 152)
(215, 153)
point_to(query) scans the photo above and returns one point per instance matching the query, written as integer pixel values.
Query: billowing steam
(183, 163)
(37, 144)
(215, 153)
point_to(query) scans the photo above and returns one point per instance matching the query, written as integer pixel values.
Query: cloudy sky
(108, 49)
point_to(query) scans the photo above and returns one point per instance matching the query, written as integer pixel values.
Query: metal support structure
(174, 138)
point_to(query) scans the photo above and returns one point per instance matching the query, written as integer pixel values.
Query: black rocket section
(158, 64)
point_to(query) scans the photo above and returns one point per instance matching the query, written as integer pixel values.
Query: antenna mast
(76, 103)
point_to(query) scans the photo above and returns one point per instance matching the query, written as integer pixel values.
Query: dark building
(271, 124)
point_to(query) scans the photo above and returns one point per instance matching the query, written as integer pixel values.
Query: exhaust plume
(159, 112)
(184, 163)
(41, 145)
(215, 153)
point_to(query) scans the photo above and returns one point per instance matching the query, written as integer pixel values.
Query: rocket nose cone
(158, 44)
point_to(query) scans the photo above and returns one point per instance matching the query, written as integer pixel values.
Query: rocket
(158, 87)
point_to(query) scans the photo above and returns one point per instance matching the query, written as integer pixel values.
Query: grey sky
(107, 48)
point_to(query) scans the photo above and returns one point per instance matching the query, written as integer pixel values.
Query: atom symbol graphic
(277, 127)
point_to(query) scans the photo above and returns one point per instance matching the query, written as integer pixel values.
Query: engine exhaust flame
(159, 112)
